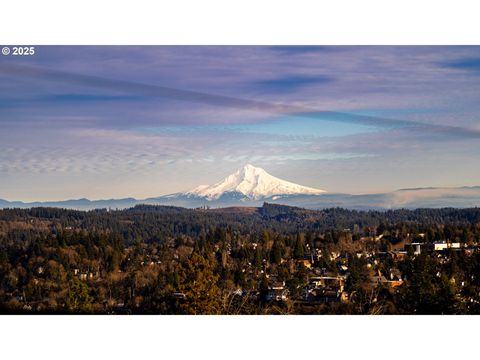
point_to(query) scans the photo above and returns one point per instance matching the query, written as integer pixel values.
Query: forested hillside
(273, 259)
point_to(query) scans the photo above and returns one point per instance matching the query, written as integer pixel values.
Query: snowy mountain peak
(254, 183)
(250, 172)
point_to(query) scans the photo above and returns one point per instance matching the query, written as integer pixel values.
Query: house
(440, 246)
(325, 289)
(334, 255)
(417, 247)
(179, 296)
(277, 294)
(331, 282)
(379, 279)
(399, 255)
(276, 285)
(276, 290)
(379, 237)
(307, 263)
(321, 296)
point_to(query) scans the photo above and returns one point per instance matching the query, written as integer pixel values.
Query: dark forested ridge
(272, 259)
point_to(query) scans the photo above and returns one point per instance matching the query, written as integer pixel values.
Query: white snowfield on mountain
(255, 183)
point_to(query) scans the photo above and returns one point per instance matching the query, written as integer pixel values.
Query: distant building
(399, 255)
(306, 263)
(179, 296)
(277, 295)
(418, 247)
(277, 291)
(440, 246)
(378, 279)
(325, 289)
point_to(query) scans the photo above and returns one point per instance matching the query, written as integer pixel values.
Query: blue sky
(115, 121)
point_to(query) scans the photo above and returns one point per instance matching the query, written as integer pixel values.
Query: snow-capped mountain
(254, 183)
(252, 186)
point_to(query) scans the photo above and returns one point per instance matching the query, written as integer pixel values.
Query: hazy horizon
(103, 122)
(223, 179)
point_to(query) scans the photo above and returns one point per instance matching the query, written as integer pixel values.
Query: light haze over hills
(252, 186)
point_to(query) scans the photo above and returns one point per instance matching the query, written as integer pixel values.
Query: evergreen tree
(299, 250)
(276, 253)
(79, 298)
(199, 284)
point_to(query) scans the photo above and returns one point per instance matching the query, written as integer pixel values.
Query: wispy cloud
(293, 82)
(139, 121)
(225, 101)
(89, 98)
(464, 64)
(301, 49)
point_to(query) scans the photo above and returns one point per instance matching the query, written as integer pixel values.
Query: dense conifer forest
(269, 260)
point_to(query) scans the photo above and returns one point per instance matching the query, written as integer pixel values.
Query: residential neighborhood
(269, 260)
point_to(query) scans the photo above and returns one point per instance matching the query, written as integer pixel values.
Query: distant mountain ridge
(254, 183)
(252, 186)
